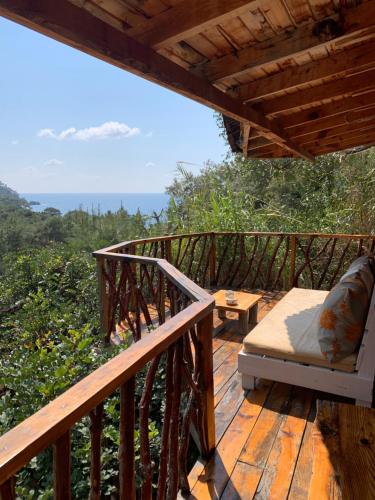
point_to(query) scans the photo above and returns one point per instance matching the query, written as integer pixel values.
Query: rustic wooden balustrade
(262, 260)
(170, 323)
(168, 317)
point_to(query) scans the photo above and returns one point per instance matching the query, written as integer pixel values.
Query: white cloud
(150, 164)
(105, 131)
(149, 134)
(46, 132)
(53, 162)
(15, 142)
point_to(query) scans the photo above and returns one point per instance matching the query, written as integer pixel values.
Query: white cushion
(289, 331)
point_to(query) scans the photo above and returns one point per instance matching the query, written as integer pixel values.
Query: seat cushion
(289, 331)
(344, 311)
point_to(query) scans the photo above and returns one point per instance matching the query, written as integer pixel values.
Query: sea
(147, 203)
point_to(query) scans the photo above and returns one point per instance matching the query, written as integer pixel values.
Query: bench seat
(286, 332)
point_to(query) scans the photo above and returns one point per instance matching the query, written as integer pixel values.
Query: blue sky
(72, 123)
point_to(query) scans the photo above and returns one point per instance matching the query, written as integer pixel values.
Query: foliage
(49, 330)
(333, 194)
(51, 343)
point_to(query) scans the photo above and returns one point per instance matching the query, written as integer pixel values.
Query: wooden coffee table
(246, 307)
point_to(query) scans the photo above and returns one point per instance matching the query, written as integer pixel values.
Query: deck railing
(170, 323)
(251, 260)
(153, 291)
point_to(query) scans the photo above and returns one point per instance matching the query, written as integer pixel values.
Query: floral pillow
(343, 314)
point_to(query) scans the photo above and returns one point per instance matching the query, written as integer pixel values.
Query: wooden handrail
(30, 437)
(276, 260)
(120, 246)
(190, 322)
(126, 283)
(176, 276)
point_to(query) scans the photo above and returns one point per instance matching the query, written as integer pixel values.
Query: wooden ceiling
(292, 77)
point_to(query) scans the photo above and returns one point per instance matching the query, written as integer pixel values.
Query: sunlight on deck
(268, 445)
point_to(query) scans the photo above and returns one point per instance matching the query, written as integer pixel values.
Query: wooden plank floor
(259, 434)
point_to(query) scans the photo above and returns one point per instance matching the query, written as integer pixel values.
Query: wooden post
(212, 260)
(61, 468)
(161, 298)
(292, 268)
(103, 298)
(96, 427)
(204, 334)
(131, 250)
(168, 250)
(127, 446)
(7, 490)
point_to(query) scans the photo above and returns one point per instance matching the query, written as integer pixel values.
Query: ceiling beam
(334, 121)
(313, 140)
(351, 128)
(361, 82)
(186, 19)
(351, 134)
(365, 140)
(328, 123)
(348, 135)
(313, 117)
(349, 61)
(74, 26)
(356, 22)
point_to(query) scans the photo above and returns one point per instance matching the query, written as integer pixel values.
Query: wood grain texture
(281, 461)
(61, 468)
(244, 301)
(286, 45)
(243, 482)
(261, 440)
(187, 18)
(212, 481)
(347, 433)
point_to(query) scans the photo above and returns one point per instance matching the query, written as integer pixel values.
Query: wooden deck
(265, 438)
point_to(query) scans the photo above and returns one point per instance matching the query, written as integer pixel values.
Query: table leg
(253, 315)
(222, 314)
(243, 320)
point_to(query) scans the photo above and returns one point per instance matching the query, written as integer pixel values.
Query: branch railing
(168, 320)
(256, 260)
(152, 295)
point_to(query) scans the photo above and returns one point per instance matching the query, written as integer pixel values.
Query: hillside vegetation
(49, 325)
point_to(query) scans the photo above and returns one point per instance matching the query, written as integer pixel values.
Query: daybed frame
(357, 385)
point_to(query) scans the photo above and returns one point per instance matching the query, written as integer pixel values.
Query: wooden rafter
(358, 21)
(350, 61)
(316, 139)
(361, 82)
(331, 122)
(186, 19)
(245, 129)
(345, 140)
(314, 116)
(74, 26)
(367, 139)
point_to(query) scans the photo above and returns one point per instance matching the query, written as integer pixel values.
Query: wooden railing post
(292, 267)
(131, 250)
(212, 260)
(61, 468)
(103, 298)
(96, 427)
(127, 446)
(7, 490)
(204, 334)
(168, 250)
